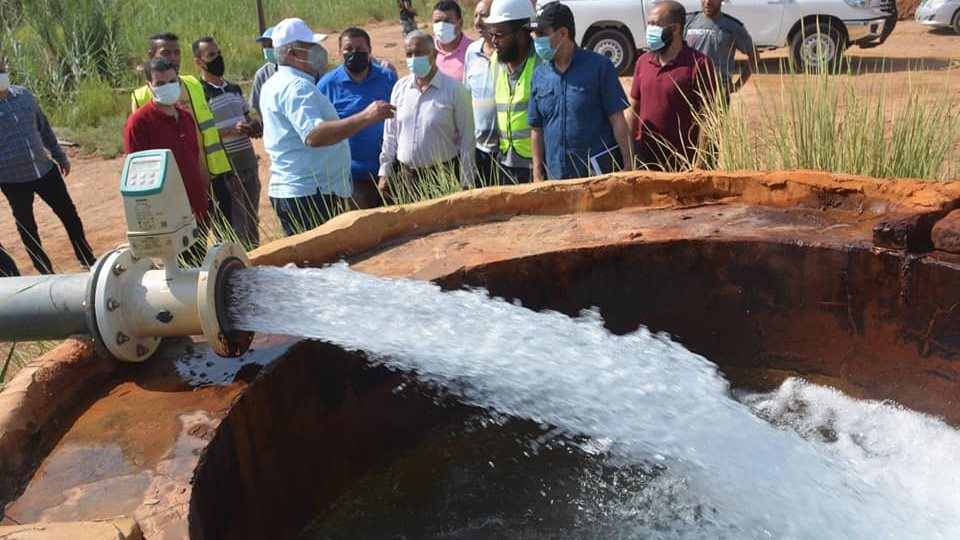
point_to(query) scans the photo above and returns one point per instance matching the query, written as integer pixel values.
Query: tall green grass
(826, 121)
(81, 57)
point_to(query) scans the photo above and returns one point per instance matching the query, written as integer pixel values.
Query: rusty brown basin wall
(314, 423)
(879, 323)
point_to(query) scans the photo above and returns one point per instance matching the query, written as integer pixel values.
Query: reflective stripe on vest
(217, 161)
(512, 115)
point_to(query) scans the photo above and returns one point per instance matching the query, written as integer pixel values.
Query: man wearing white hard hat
(512, 69)
(306, 140)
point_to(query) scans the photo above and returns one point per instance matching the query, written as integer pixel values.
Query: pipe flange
(112, 330)
(220, 261)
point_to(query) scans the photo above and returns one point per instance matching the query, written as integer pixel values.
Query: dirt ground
(933, 57)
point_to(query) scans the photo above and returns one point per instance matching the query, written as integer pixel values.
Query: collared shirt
(431, 127)
(229, 108)
(292, 106)
(350, 97)
(667, 97)
(719, 39)
(25, 139)
(451, 63)
(573, 109)
(478, 79)
(265, 72)
(149, 128)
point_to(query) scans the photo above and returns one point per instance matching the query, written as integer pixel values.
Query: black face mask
(356, 62)
(215, 67)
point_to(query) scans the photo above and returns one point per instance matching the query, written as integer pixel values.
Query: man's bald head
(671, 12)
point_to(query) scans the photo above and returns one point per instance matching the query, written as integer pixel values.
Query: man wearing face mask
(352, 87)
(671, 83)
(433, 132)
(479, 82)
(239, 193)
(163, 123)
(265, 71)
(307, 141)
(451, 43)
(167, 45)
(27, 144)
(576, 105)
(513, 68)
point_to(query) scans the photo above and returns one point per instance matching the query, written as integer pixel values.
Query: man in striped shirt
(236, 127)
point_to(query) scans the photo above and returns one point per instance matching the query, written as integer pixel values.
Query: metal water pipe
(137, 294)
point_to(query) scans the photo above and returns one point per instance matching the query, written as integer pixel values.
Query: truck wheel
(615, 45)
(818, 44)
(956, 22)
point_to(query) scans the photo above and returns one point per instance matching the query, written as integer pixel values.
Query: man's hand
(382, 184)
(65, 168)
(538, 174)
(255, 129)
(378, 111)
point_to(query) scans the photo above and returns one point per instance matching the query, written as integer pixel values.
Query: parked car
(940, 14)
(816, 31)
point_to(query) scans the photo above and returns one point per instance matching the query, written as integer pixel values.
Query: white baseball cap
(288, 31)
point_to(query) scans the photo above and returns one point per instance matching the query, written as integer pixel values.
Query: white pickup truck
(816, 31)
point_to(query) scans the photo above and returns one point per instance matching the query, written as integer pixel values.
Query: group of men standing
(523, 103)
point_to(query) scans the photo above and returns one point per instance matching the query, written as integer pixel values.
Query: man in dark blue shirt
(576, 105)
(352, 87)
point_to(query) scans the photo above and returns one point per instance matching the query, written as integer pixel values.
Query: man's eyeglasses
(500, 35)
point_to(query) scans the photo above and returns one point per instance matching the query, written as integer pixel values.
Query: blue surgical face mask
(541, 44)
(419, 66)
(167, 94)
(269, 56)
(658, 38)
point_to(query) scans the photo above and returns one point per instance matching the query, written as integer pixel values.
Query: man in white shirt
(432, 133)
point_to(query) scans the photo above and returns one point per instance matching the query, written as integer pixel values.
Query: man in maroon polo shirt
(162, 124)
(671, 84)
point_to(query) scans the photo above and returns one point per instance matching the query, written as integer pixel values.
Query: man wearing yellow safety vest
(192, 99)
(512, 70)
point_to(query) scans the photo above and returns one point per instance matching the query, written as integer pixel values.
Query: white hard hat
(510, 10)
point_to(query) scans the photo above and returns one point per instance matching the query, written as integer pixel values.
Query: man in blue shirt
(576, 105)
(304, 136)
(351, 88)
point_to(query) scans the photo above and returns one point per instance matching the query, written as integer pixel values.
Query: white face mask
(445, 32)
(4, 81)
(166, 94)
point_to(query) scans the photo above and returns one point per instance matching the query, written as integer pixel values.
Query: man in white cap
(306, 140)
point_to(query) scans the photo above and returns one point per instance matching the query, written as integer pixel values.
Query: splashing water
(644, 398)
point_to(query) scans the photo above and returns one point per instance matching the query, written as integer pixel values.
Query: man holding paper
(576, 105)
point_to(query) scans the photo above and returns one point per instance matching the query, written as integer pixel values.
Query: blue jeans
(299, 214)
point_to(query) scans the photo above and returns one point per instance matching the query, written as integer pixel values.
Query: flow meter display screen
(144, 176)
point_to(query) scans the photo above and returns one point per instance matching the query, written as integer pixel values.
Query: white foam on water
(644, 398)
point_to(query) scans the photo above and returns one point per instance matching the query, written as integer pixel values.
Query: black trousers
(53, 191)
(8, 268)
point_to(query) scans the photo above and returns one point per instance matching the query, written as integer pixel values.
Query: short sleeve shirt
(292, 106)
(149, 128)
(350, 97)
(719, 39)
(667, 97)
(573, 109)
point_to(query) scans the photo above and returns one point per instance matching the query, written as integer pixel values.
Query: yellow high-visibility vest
(217, 161)
(512, 115)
